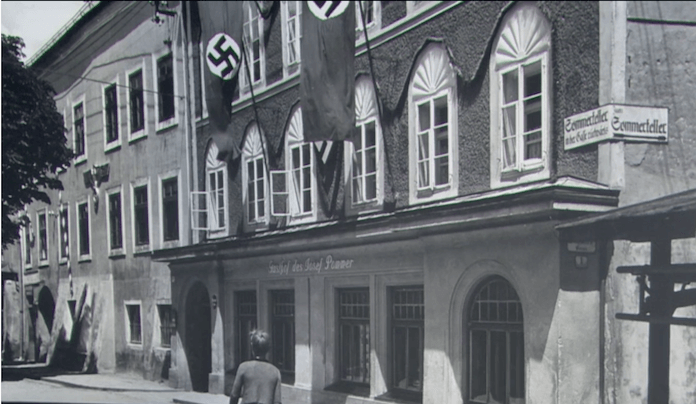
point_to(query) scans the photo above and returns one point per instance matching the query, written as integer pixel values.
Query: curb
(114, 389)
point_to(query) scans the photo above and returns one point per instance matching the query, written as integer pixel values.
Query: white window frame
(426, 86)
(173, 121)
(26, 232)
(376, 23)
(253, 150)
(249, 9)
(127, 327)
(107, 202)
(365, 113)
(63, 256)
(142, 182)
(84, 200)
(39, 214)
(164, 177)
(109, 146)
(214, 166)
(504, 59)
(294, 137)
(291, 68)
(204, 104)
(80, 100)
(139, 134)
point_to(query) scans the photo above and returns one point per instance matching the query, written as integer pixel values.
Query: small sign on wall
(615, 121)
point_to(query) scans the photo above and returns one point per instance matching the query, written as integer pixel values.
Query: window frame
(215, 167)
(250, 13)
(254, 152)
(373, 26)
(128, 323)
(79, 158)
(241, 335)
(88, 202)
(119, 250)
(392, 385)
(287, 374)
(340, 322)
(173, 120)
(204, 104)
(294, 138)
(141, 133)
(115, 143)
(64, 251)
(42, 239)
(291, 68)
(26, 233)
(135, 185)
(167, 327)
(161, 179)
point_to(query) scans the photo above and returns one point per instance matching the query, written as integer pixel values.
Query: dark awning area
(673, 216)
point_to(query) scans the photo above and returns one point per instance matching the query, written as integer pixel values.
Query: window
(354, 335)
(299, 160)
(283, 331)
(64, 223)
(292, 15)
(136, 103)
(520, 105)
(134, 326)
(364, 161)
(433, 131)
(83, 229)
(42, 220)
(254, 172)
(111, 114)
(407, 331)
(373, 11)
(166, 324)
(165, 90)
(170, 209)
(253, 42)
(245, 303)
(115, 222)
(79, 132)
(141, 216)
(496, 344)
(27, 241)
(217, 191)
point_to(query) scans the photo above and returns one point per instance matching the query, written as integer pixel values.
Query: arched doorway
(198, 335)
(46, 307)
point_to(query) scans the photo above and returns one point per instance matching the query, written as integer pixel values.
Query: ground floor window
(283, 333)
(166, 324)
(407, 335)
(134, 325)
(245, 303)
(354, 335)
(496, 344)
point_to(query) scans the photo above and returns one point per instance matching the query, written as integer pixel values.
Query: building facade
(94, 299)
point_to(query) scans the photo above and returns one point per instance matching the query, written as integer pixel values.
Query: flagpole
(253, 104)
(379, 103)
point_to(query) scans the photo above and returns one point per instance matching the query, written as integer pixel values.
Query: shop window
(254, 47)
(496, 344)
(433, 151)
(283, 332)
(520, 99)
(42, 220)
(141, 216)
(292, 15)
(79, 128)
(136, 104)
(170, 209)
(167, 329)
(407, 334)
(245, 303)
(64, 233)
(111, 126)
(166, 105)
(135, 336)
(354, 336)
(254, 176)
(115, 215)
(83, 234)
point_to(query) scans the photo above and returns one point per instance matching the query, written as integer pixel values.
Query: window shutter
(279, 193)
(199, 210)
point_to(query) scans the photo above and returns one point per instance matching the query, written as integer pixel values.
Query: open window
(254, 190)
(209, 208)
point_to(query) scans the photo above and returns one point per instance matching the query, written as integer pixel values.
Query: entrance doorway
(198, 336)
(47, 307)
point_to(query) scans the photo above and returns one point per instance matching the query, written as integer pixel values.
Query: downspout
(191, 158)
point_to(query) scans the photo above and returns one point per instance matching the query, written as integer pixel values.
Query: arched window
(299, 163)
(520, 98)
(254, 48)
(364, 162)
(433, 150)
(216, 185)
(496, 344)
(254, 177)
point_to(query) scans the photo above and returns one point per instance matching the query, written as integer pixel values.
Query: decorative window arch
(300, 163)
(433, 150)
(496, 344)
(216, 186)
(364, 162)
(520, 84)
(255, 190)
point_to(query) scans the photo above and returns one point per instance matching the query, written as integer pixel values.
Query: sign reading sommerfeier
(614, 121)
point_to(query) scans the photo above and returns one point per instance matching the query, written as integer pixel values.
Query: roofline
(86, 8)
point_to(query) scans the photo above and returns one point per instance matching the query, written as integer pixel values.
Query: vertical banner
(327, 79)
(221, 39)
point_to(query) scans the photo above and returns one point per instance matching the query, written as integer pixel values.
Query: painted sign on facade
(614, 121)
(315, 265)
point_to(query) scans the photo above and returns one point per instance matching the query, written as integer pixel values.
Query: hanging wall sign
(615, 121)
(223, 56)
(324, 10)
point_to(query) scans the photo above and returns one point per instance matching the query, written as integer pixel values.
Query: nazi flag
(324, 10)
(223, 56)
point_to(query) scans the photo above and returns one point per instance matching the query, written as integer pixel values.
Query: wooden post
(661, 289)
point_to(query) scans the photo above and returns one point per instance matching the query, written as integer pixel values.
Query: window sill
(116, 254)
(141, 134)
(401, 397)
(30, 270)
(514, 175)
(134, 346)
(113, 146)
(351, 388)
(163, 348)
(85, 258)
(170, 244)
(43, 264)
(169, 123)
(80, 160)
(62, 261)
(142, 250)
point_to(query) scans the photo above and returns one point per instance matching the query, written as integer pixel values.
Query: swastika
(324, 10)
(223, 56)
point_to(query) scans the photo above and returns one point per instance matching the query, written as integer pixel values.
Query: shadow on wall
(73, 346)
